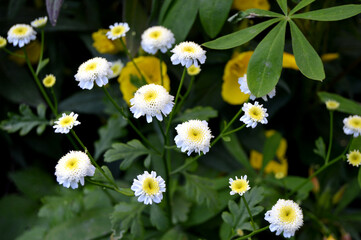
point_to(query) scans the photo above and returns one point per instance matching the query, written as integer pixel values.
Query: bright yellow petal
(327, 57)
(242, 5)
(289, 61)
(104, 45)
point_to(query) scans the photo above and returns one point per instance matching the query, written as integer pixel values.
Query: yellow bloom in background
(104, 45)
(289, 61)
(279, 168)
(327, 57)
(49, 80)
(242, 5)
(33, 51)
(149, 66)
(3, 42)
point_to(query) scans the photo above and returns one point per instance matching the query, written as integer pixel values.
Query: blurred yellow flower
(104, 45)
(242, 5)
(150, 68)
(279, 168)
(327, 57)
(32, 50)
(289, 61)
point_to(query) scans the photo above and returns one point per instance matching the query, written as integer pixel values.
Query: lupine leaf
(331, 14)
(283, 5)
(346, 105)
(301, 5)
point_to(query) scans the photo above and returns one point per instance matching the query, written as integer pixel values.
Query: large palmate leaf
(283, 5)
(346, 105)
(331, 14)
(301, 5)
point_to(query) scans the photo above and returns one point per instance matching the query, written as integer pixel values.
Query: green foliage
(201, 113)
(200, 190)
(346, 105)
(301, 5)
(331, 14)
(283, 6)
(351, 192)
(320, 148)
(181, 211)
(270, 148)
(158, 217)
(355, 143)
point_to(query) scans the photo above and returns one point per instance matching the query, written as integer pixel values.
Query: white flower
(117, 30)
(354, 158)
(285, 216)
(72, 168)
(39, 22)
(254, 114)
(239, 186)
(151, 100)
(116, 68)
(188, 53)
(332, 104)
(352, 125)
(96, 69)
(244, 88)
(66, 122)
(193, 135)
(149, 188)
(157, 38)
(21, 34)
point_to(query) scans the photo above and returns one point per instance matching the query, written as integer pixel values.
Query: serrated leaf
(158, 217)
(265, 66)
(181, 211)
(201, 113)
(270, 148)
(301, 5)
(53, 9)
(320, 148)
(98, 176)
(346, 105)
(283, 5)
(331, 14)
(307, 59)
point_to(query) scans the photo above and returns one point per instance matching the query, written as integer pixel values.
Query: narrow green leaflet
(201, 113)
(42, 64)
(346, 105)
(261, 13)
(265, 65)
(307, 59)
(320, 148)
(283, 5)
(331, 14)
(301, 5)
(240, 37)
(270, 148)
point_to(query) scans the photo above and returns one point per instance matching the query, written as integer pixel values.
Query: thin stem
(253, 233)
(161, 129)
(41, 52)
(55, 100)
(185, 95)
(115, 188)
(234, 130)
(331, 138)
(249, 212)
(131, 59)
(13, 54)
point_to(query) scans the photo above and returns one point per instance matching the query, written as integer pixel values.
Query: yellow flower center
(287, 214)
(72, 164)
(332, 105)
(150, 96)
(256, 113)
(155, 34)
(188, 49)
(239, 185)
(66, 121)
(20, 30)
(193, 70)
(150, 186)
(2, 42)
(355, 158)
(355, 122)
(118, 30)
(195, 135)
(115, 68)
(91, 66)
(49, 81)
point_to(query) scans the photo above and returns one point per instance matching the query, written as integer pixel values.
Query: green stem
(234, 130)
(55, 100)
(249, 212)
(115, 188)
(41, 52)
(331, 138)
(253, 233)
(185, 95)
(13, 54)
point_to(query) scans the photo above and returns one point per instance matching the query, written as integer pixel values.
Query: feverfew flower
(193, 135)
(188, 53)
(96, 69)
(117, 30)
(332, 104)
(244, 88)
(193, 70)
(66, 122)
(21, 34)
(239, 186)
(157, 38)
(49, 80)
(354, 158)
(39, 22)
(3, 42)
(151, 100)
(352, 125)
(285, 216)
(72, 168)
(149, 188)
(116, 68)
(254, 114)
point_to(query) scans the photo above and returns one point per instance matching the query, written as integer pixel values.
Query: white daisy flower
(239, 186)
(72, 168)
(39, 22)
(148, 187)
(285, 216)
(352, 125)
(193, 135)
(21, 34)
(354, 158)
(3, 42)
(244, 88)
(332, 104)
(116, 68)
(66, 122)
(151, 100)
(117, 30)
(254, 114)
(188, 53)
(96, 69)
(157, 38)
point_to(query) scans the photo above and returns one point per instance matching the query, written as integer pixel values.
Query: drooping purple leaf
(53, 8)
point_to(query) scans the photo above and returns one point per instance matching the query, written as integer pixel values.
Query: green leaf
(42, 64)
(307, 59)
(346, 105)
(129, 152)
(292, 182)
(301, 5)
(158, 217)
(270, 148)
(265, 66)
(164, 9)
(175, 234)
(320, 148)
(136, 81)
(98, 176)
(180, 213)
(331, 14)
(34, 233)
(201, 113)
(351, 192)
(356, 143)
(255, 12)
(283, 6)
(213, 14)
(240, 37)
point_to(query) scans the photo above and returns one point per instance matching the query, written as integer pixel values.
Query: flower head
(72, 168)
(193, 135)
(96, 69)
(193, 70)
(149, 188)
(332, 104)
(66, 122)
(3, 42)
(157, 38)
(188, 53)
(254, 114)
(104, 45)
(49, 80)
(244, 88)
(39, 22)
(151, 100)
(354, 158)
(21, 34)
(239, 185)
(352, 125)
(116, 68)
(117, 30)
(285, 216)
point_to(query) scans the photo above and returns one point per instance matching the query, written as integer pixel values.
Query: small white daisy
(117, 30)
(49, 80)
(244, 88)
(352, 125)
(193, 135)
(3, 42)
(354, 158)
(148, 187)
(332, 104)
(157, 38)
(254, 114)
(39, 22)
(66, 122)
(21, 34)
(188, 53)
(193, 70)
(285, 216)
(116, 68)
(96, 69)
(239, 185)
(72, 168)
